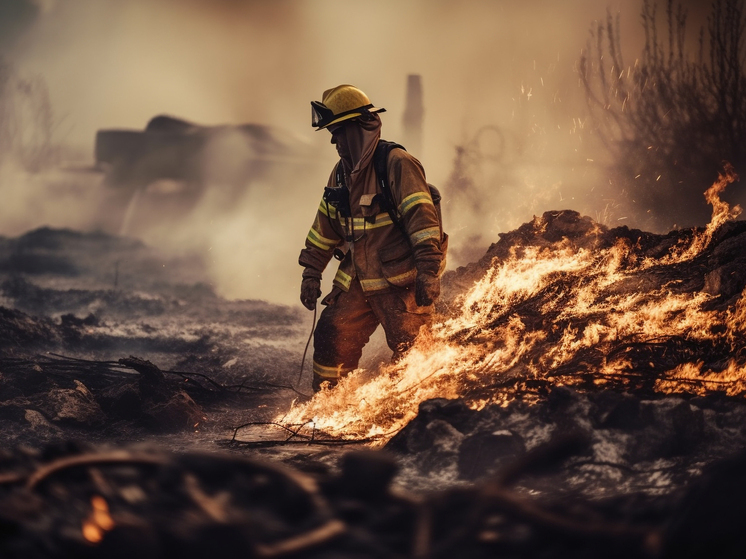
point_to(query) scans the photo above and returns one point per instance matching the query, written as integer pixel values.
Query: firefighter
(391, 257)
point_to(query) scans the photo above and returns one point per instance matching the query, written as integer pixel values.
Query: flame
(98, 522)
(721, 213)
(559, 315)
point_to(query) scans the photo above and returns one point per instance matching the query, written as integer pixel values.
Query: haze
(509, 65)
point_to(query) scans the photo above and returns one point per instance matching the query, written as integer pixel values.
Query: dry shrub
(672, 118)
(26, 121)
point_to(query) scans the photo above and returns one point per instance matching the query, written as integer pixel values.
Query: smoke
(15, 18)
(501, 100)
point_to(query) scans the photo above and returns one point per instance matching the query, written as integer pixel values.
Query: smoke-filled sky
(116, 63)
(508, 64)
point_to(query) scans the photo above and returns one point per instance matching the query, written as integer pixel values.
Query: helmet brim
(348, 116)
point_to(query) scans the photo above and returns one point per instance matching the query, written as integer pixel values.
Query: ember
(99, 521)
(565, 301)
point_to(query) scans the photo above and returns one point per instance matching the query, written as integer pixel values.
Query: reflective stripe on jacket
(380, 255)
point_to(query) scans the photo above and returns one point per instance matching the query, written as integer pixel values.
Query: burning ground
(581, 393)
(564, 301)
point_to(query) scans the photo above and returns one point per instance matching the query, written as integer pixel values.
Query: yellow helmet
(340, 103)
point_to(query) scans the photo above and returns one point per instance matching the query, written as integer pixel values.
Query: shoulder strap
(380, 164)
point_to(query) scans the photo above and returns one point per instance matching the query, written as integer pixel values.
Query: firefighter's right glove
(310, 291)
(426, 289)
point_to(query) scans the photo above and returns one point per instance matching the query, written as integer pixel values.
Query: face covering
(356, 142)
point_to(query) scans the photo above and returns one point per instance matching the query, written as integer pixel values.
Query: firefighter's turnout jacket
(378, 253)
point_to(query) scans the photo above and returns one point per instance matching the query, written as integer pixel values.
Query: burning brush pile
(565, 301)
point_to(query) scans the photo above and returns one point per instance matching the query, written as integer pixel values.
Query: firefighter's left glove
(310, 291)
(426, 289)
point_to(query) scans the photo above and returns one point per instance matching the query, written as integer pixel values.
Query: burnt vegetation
(27, 120)
(613, 472)
(716, 271)
(672, 117)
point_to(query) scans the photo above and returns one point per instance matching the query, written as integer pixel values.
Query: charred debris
(566, 465)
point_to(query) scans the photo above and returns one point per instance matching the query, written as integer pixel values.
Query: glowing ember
(92, 533)
(98, 522)
(607, 314)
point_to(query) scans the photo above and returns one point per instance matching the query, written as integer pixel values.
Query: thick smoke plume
(504, 114)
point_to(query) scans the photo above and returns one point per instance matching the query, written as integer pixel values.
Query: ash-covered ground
(125, 380)
(98, 297)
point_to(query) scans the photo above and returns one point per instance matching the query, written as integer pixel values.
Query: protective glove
(310, 291)
(426, 289)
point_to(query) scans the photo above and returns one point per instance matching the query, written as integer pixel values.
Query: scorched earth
(574, 370)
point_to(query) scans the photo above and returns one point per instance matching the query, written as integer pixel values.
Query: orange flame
(721, 213)
(489, 344)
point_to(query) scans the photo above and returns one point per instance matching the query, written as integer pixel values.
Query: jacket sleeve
(416, 210)
(323, 237)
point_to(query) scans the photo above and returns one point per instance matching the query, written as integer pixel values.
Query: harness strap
(380, 165)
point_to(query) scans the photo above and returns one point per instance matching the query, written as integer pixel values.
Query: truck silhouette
(173, 163)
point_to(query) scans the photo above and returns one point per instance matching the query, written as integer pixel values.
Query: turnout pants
(346, 326)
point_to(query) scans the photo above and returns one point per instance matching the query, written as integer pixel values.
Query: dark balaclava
(356, 144)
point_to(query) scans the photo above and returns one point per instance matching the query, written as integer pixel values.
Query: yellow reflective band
(320, 241)
(328, 210)
(343, 279)
(425, 234)
(412, 200)
(330, 372)
(361, 225)
(402, 278)
(374, 284)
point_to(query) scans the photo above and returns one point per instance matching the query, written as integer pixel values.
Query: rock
(443, 436)
(121, 401)
(672, 428)
(420, 435)
(76, 406)
(614, 410)
(8, 391)
(152, 381)
(484, 453)
(40, 425)
(177, 413)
